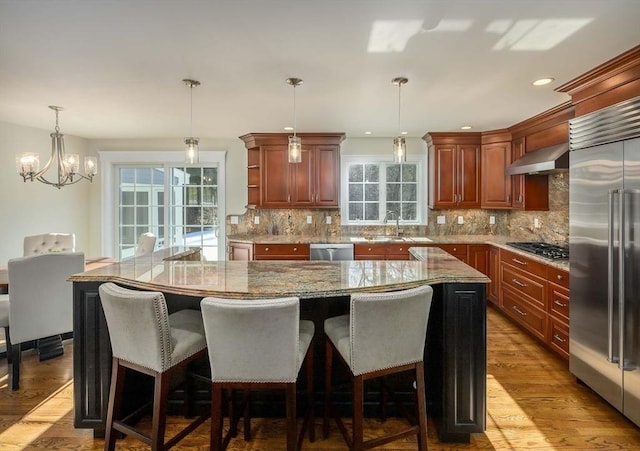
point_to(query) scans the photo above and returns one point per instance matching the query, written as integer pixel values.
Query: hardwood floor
(533, 403)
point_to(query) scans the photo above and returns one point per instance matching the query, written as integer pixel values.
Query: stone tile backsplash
(553, 224)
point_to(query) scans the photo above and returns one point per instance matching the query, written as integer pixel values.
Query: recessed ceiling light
(404, 133)
(542, 81)
(367, 133)
(289, 129)
(465, 127)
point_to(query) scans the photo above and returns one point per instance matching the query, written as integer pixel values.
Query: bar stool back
(147, 339)
(384, 333)
(257, 344)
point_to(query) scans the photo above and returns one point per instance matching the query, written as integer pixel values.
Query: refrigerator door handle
(622, 243)
(626, 230)
(610, 276)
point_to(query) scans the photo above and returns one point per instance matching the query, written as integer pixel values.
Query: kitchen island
(455, 352)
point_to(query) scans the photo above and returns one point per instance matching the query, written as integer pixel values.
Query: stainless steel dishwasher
(331, 251)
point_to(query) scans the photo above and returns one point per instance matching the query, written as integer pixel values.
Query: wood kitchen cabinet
(279, 251)
(496, 156)
(273, 182)
(558, 311)
(528, 192)
(493, 287)
(517, 181)
(454, 170)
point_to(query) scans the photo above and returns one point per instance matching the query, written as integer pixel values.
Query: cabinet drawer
(530, 317)
(559, 301)
(398, 251)
(457, 250)
(559, 276)
(524, 263)
(559, 337)
(369, 251)
(281, 251)
(528, 287)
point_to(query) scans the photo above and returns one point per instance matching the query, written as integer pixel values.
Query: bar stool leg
(216, 417)
(159, 420)
(118, 373)
(291, 417)
(422, 409)
(358, 388)
(328, 370)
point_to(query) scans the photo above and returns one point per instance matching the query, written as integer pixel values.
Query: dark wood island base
(455, 351)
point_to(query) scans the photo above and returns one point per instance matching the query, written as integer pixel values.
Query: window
(179, 204)
(372, 189)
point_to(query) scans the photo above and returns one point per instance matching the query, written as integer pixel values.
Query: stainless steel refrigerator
(604, 236)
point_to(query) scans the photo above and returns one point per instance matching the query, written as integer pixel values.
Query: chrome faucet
(393, 213)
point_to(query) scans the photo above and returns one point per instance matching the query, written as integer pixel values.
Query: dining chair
(255, 345)
(383, 333)
(40, 300)
(49, 242)
(146, 244)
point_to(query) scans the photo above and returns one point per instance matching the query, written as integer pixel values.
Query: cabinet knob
(455, 249)
(560, 276)
(295, 249)
(369, 249)
(266, 249)
(401, 249)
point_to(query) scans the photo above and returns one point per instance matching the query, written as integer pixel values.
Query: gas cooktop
(551, 251)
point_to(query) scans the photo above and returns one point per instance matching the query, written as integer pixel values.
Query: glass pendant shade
(295, 149)
(191, 150)
(399, 149)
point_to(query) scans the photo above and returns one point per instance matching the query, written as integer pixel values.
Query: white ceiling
(117, 66)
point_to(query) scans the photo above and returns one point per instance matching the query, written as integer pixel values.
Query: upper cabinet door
(277, 180)
(327, 176)
(496, 186)
(303, 179)
(444, 179)
(517, 181)
(468, 173)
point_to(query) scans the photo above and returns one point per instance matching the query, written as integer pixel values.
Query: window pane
(356, 173)
(355, 211)
(142, 215)
(127, 176)
(192, 216)
(394, 207)
(210, 176)
(209, 216)
(409, 192)
(208, 196)
(178, 196)
(409, 212)
(371, 212)
(372, 192)
(193, 195)
(142, 197)
(128, 235)
(393, 192)
(355, 192)
(127, 216)
(393, 173)
(143, 176)
(409, 172)
(126, 197)
(372, 173)
(194, 176)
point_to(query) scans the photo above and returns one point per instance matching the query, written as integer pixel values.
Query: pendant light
(191, 143)
(295, 143)
(399, 142)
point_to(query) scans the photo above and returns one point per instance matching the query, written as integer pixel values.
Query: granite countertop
(269, 278)
(495, 240)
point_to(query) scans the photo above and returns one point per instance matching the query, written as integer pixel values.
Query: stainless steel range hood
(548, 160)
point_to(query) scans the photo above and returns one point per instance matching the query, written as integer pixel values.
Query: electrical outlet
(492, 220)
(536, 223)
(256, 220)
(234, 219)
(309, 220)
(460, 220)
(441, 219)
(328, 219)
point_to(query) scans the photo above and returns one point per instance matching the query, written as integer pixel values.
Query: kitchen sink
(387, 238)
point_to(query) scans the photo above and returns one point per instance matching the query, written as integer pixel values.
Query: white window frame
(109, 160)
(421, 208)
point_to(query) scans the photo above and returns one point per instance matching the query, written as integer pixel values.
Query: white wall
(380, 146)
(32, 208)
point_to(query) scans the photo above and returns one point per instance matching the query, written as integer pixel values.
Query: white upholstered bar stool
(4, 323)
(147, 339)
(253, 345)
(383, 333)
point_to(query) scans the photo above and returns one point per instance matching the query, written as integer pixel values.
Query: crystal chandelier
(295, 143)
(68, 165)
(399, 142)
(191, 143)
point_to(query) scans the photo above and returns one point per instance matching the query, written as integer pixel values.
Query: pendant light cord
(191, 110)
(399, 109)
(294, 111)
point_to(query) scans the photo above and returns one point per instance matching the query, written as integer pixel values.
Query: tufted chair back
(146, 244)
(49, 242)
(41, 298)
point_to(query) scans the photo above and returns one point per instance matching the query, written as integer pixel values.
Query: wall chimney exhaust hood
(548, 160)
